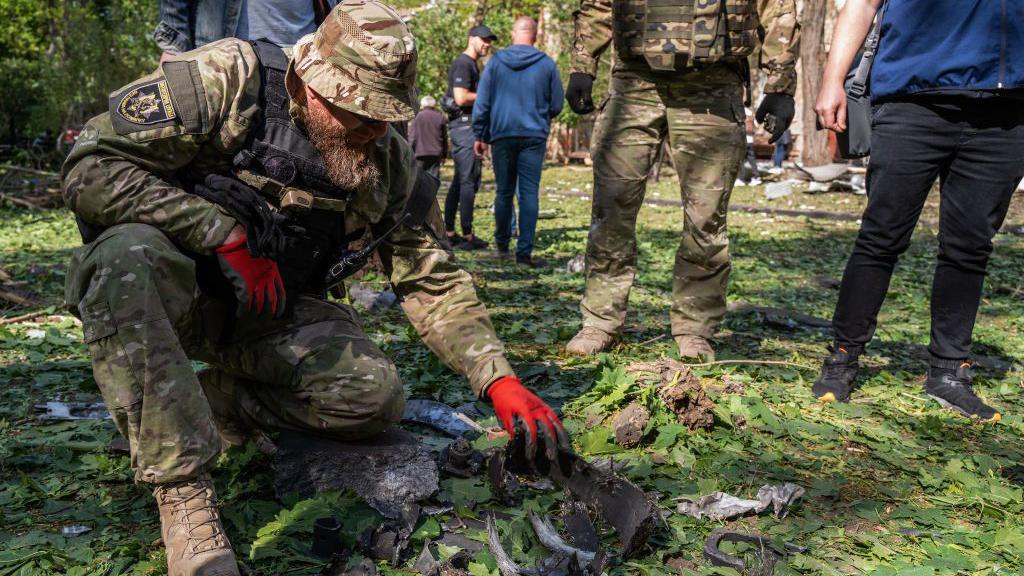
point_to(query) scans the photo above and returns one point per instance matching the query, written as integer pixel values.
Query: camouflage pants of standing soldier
(144, 319)
(701, 113)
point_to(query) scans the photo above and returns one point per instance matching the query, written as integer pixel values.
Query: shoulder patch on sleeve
(189, 94)
(143, 106)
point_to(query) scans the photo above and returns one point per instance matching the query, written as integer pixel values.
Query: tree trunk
(812, 64)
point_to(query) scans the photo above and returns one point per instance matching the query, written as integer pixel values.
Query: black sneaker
(952, 389)
(838, 373)
(454, 240)
(530, 261)
(473, 243)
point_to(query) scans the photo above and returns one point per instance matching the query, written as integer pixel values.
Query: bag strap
(858, 87)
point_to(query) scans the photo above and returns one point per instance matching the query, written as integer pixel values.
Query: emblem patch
(147, 104)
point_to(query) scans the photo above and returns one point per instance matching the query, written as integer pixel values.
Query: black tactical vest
(281, 162)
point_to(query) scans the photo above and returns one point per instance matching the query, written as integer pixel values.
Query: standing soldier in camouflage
(214, 195)
(679, 72)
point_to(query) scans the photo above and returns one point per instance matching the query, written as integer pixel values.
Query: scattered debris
(326, 541)
(579, 525)
(722, 506)
(916, 532)
(577, 264)
(690, 402)
(825, 173)
(455, 565)
(768, 554)
(733, 386)
(504, 484)
(565, 560)
(391, 471)
(74, 530)
(780, 318)
(630, 424)
(461, 460)
(58, 411)
(370, 300)
(387, 542)
(777, 190)
(452, 421)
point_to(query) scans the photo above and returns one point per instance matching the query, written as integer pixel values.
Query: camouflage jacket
(124, 169)
(594, 30)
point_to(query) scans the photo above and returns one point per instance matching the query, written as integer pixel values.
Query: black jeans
(430, 164)
(976, 148)
(462, 192)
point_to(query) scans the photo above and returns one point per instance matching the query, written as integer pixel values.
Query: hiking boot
(838, 372)
(193, 535)
(589, 341)
(693, 346)
(952, 389)
(471, 244)
(530, 262)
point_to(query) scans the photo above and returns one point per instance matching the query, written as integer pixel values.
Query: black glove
(580, 93)
(269, 232)
(776, 114)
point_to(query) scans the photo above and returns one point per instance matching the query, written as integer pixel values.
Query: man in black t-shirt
(463, 78)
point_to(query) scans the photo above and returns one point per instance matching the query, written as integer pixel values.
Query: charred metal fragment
(578, 524)
(768, 553)
(461, 460)
(504, 485)
(549, 537)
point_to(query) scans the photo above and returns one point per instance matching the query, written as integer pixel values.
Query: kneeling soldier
(214, 197)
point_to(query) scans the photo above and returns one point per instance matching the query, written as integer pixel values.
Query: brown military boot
(589, 341)
(193, 535)
(693, 346)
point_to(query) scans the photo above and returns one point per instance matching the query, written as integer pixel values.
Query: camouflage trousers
(145, 319)
(701, 114)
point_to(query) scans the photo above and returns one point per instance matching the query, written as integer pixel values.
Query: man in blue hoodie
(947, 89)
(519, 93)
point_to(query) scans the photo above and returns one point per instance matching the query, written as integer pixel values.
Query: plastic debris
(722, 506)
(72, 411)
(441, 417)
(776, 190)
(74, 530)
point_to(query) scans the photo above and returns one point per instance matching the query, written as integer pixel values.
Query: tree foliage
(61, 58)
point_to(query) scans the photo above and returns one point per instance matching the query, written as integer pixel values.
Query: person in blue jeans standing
(519, 93)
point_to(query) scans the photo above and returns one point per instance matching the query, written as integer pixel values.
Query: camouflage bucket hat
(361, 59)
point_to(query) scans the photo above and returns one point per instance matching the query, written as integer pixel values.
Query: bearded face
(350, 164)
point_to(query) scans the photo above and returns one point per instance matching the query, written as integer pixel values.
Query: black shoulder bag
(855, 141)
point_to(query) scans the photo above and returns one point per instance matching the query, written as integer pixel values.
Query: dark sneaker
(473, 243)
(455, 240)
(838, 373)
(503, 251)
(952, 389)
(530, 261)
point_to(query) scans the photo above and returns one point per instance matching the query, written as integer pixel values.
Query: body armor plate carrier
(672, 35)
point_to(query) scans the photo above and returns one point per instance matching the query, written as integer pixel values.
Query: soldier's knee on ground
(360, 397)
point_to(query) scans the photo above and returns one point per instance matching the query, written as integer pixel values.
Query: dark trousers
(976, 149)
(430, 164)
(462, 192)
(517, 163)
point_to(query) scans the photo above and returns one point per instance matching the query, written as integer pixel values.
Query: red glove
(257, 281)
(511, 400)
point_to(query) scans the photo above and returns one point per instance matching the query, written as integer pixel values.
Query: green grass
(889, 460)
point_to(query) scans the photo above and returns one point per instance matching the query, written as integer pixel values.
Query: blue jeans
(517, 163)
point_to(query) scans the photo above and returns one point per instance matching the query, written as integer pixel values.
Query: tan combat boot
(589, 341)
(193, 535)
(693, 346)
